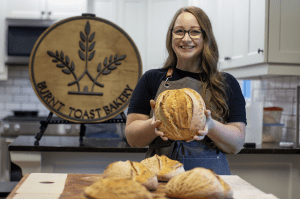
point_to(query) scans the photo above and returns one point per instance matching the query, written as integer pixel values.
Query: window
(246, 89)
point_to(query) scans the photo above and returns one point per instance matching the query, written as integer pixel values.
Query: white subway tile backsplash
(6, 98)
(2, 90)
(279, 81)
(27, 90)
(13, 106)
(258, 95)
(287, 108)
(257, 84)
(15, 90)
(290, 121)
(286, 82)
(295, 96)
(22, 82)
(34, 99)
(21, 98)
(290, 135)
(294, 81)
(27, 106)
(5, 113)
(14, 72)
(288, 96)
(295, 109)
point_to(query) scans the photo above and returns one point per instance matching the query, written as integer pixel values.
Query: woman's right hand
(155, 123)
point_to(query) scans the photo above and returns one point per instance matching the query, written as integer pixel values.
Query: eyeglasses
(179, 33)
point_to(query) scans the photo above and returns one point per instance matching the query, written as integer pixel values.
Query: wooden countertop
(75, 183)
(72, 144)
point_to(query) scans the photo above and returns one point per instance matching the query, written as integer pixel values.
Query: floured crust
(198, 183)
(181, 112)
(135, 170)
(116, 188)
(164, 167)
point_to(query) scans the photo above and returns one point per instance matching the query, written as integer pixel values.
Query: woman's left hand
(204, 132)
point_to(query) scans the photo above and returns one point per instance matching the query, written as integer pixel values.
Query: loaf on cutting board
(135, 170)
(163, 167)
(198, 183)
(116, 188)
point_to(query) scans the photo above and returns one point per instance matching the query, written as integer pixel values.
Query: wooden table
(75, 183)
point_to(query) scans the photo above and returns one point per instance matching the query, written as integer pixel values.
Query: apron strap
(168, 75)
(170, 72)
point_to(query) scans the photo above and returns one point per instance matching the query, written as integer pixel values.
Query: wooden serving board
(75, 183)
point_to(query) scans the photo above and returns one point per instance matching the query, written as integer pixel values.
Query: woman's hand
(203, 133)
(155, 123)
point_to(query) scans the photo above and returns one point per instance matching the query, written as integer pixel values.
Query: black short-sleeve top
(148, 84)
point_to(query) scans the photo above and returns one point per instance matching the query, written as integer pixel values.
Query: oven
(29, 123)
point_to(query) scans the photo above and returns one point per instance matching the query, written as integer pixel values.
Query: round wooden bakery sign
(84, 69)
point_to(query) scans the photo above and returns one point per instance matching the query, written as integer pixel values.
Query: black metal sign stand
(44, 125)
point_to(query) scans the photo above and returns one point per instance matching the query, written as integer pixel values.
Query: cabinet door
(224, 32)
(61, 9)
(31, 9)
(242, 32)
(248, 33)
(284, 31)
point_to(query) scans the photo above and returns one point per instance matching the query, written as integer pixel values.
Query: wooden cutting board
(75, 183)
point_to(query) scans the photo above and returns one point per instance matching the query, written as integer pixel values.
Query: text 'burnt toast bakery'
(84, 114)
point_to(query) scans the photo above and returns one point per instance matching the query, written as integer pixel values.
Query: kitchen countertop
(72, 144)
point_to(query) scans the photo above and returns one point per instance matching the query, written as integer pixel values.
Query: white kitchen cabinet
(261, 38)
(241, 37)
(45, 9)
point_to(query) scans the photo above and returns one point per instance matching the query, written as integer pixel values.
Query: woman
(192, 62)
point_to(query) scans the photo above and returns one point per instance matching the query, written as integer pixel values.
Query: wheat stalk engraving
(86, 54)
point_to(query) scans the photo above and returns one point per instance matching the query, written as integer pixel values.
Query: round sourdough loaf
(198, 183)
(135, 170)
(181, 112)
(163, 167)
(116, 188)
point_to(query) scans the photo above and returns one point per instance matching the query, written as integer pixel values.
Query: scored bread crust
(135, 170)
(163, 167)
(198, 183)
(181, 112)
(116, 188)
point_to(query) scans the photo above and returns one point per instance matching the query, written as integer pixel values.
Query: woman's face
(187, 49)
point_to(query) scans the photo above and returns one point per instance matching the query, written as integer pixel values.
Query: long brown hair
(214, 80)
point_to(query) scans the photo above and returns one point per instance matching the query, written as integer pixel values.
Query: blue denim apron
(192, 154)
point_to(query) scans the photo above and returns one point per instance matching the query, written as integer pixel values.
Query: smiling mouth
(187, 47)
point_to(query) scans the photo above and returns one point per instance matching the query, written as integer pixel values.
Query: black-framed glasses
(179, 33)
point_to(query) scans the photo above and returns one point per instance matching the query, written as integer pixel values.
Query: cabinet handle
(260, 50)
(49, 13)
(227, 58)
(43, 13)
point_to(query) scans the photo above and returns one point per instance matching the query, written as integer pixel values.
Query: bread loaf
(198, 183)
(135, 170)
(116, 188)
(181, 112)
(163, 167)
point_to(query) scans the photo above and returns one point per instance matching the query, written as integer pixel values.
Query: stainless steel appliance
(29, 123)
(21, 35)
